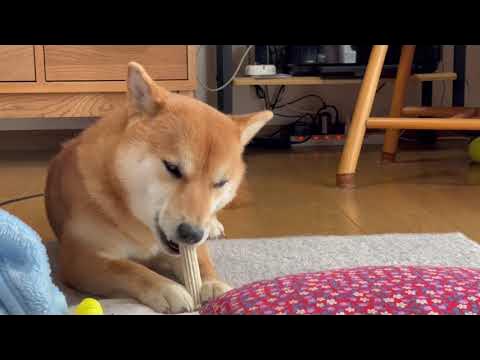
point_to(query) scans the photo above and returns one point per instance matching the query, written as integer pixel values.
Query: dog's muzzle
(163, 237)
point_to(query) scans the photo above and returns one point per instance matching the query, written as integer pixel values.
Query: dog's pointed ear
(143, 93)
(250, 124)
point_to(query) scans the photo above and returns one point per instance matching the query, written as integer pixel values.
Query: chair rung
(437, 111)
(423, 123)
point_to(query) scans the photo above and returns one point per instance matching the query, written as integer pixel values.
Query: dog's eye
(220, 184)
(173, 169)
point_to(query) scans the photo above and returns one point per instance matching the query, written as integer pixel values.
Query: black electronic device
(341, 60)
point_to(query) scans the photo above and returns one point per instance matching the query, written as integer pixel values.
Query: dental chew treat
(191, 272)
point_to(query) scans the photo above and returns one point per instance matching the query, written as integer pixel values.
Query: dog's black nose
(189, 234)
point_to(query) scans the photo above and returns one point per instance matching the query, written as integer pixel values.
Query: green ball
(474, 150)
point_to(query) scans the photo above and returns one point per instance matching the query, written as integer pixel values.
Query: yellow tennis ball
(474, 150)
(89, 306)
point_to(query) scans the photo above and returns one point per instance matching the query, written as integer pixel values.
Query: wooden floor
(294, 193)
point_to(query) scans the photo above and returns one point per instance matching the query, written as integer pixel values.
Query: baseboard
(35, 140)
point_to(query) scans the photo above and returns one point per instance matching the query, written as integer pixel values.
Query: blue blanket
(26, 286)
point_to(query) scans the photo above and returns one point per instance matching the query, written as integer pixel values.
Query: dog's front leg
(90, 272)
(216, 229)
(212, 287)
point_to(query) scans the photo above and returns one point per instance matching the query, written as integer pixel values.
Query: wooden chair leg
(363, 108)
(398, 101)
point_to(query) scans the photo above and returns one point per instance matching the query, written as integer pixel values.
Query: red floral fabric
(388, 290)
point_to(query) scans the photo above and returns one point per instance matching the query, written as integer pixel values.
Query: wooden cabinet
(84, 80)
(17, 63)
(94, 63)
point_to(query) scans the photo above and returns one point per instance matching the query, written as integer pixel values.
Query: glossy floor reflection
(294, 193)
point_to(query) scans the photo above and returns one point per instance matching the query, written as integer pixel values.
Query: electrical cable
(302, 98)
(11, 201)
(264, 93)
(235, 73)
(316, 117)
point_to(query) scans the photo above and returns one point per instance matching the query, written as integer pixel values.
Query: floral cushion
(389, 290)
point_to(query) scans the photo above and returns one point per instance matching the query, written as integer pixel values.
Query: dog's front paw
(170, 299)
(212, 289)
(216, 230)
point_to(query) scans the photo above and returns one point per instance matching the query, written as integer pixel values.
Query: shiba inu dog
(151, 175)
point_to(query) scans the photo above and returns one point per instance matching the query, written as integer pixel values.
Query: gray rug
(243, 261)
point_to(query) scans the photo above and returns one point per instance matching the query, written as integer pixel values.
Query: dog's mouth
(163, 237)
(173, 247)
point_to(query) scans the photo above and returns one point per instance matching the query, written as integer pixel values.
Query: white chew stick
(191, 272)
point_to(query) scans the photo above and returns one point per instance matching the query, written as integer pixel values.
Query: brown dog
(122, 195)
